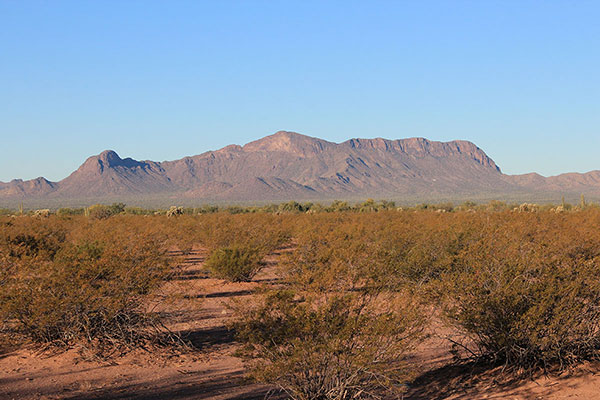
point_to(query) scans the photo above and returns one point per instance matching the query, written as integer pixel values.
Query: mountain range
(291, 166)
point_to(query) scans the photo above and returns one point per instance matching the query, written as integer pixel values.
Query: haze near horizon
(161, 81)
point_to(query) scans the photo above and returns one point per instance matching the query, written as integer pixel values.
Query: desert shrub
(344, 346)
(100, 211)
(236, 264)
(26, 237)
(342, 323)
(496, 205)
(526, 292)
(70, 211)
(337, 206)
(261, 231)
(520, 287)
(329, 256)
(208, 209)
(387, 249)
(433, 249)
(117, 208)
(292, 206)
(92, 290)
(220, 229)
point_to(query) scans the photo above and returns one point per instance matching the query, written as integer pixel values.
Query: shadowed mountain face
(289, 165)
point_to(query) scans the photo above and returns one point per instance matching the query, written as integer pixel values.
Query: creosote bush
(236, 263)
(100, 211)
(339, 328)
(520, 288)
(526, 293)
(340, 346)
(85, 285)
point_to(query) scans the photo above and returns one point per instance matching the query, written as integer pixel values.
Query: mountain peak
(109, 158)
(288, 142)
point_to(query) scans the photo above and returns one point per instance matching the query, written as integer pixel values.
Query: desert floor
(214, 372)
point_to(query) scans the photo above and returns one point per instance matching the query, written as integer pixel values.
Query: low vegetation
(65, 283)
(358, 285)
(236, 264)
(525, 292)
(340, 346)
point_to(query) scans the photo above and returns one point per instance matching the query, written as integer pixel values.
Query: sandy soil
(441, 379)
(213, 372)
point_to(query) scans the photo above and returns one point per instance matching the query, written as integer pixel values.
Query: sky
(161, 80)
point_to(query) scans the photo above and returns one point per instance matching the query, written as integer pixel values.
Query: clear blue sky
(162, 80)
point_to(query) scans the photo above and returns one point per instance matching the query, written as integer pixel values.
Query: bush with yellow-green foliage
(235, 263)
(100, 211)
(341, 346)
(525, 293)
(72, 282)
(338, 328)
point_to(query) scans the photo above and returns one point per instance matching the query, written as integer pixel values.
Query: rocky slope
(288, 165)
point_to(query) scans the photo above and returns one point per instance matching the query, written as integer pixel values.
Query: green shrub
(236, 264)
(337, 206)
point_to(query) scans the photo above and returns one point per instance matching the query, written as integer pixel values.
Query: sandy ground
(441, 379)
(213, 372)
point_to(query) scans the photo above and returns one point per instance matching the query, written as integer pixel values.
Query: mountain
(34, 187)
(288, 165)
(109, 174)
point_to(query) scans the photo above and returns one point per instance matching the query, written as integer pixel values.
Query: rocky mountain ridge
(288, 165)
